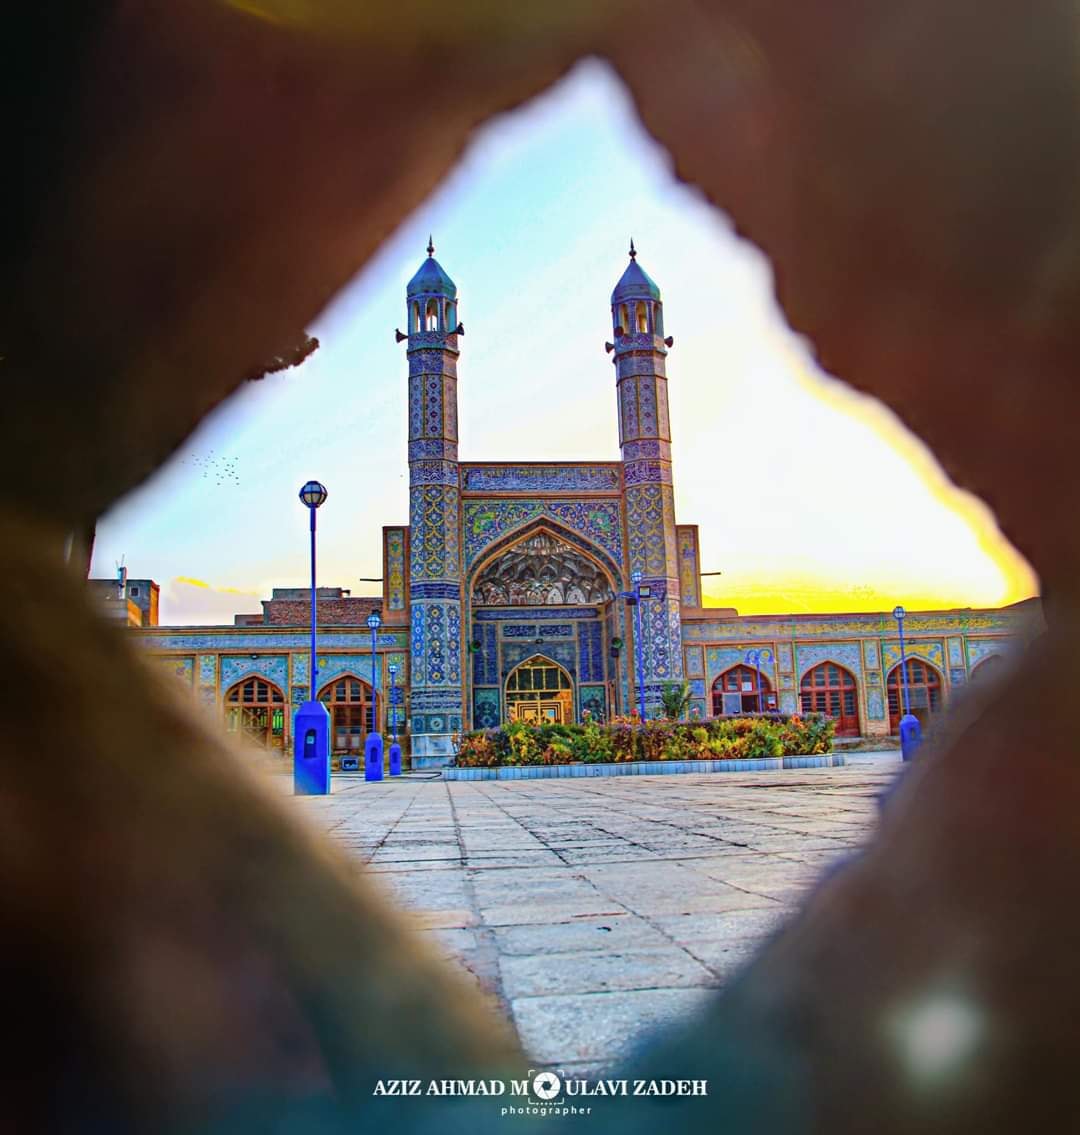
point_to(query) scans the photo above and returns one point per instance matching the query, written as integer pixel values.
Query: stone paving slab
(592, 909)
(598, 1027)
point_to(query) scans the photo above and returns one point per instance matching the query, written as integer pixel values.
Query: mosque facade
(551, 590)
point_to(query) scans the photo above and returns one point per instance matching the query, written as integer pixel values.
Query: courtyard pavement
(592, 910)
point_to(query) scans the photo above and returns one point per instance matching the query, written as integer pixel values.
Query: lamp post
(636, 595)
(395, 748)
(373, 747)
(754, 658)
(311, 730)
(910, 729)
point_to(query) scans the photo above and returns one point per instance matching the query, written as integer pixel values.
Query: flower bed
(731, 738)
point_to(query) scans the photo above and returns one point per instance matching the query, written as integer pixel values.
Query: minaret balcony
(426, 340)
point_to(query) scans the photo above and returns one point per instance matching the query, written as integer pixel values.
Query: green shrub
(721, 738)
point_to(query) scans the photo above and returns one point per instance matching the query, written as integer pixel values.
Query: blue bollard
(311, 750)
(373, 757)
(395, 759)
(910, 736)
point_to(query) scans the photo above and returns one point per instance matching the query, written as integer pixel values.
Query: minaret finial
(633, 250)
(430, 246)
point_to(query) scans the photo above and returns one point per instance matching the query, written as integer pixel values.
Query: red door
(829, 688)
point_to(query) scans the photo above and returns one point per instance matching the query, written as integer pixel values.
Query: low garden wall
(643, 768)
(768, 740)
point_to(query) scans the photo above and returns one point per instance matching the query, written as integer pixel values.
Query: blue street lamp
(395, 748)
(754, 658)
(636, 596)
(311, 730)
(373, 747)
(910, 729)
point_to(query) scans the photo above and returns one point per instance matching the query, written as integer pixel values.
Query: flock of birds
(221, 469)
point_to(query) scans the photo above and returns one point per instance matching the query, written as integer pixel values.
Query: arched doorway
(353, 712)
(924, 692)
(831, 688)
(736, 691)
(539, 691)
(255, 710)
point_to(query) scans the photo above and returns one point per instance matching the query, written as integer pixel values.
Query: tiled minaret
(639, 354)
(434, 511)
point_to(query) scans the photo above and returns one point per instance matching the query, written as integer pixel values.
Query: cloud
(186, 601)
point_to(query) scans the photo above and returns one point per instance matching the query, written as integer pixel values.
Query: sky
(796, 481)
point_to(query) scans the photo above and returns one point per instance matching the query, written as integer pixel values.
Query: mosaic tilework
(662, 653)
(788, 703)
(697, 687)
(487, 713)
(485, 660)
(436, 448)
(433, 473)
(931, 652)
(433, 532)
(208, 670)
(980, 648)
(334, 666)
(956, 651)
(686, 544)
(850, 626)
(435, 590)
(695, 663)
(525, 630)
(442, 700)
(870, 654)
(593, 699)
(453, 642)
(300, 668)
(433, 543)
(433, 405)
(721, 658)
(642, 472)
(957, 676)
(875, 704)
(628, 410)
(274, 668)
(663, 423)
(650, 525)
(431, 361)
(648, 364)
(486, 521)
(646, 447)
(520, 630)
(846, 653)
(394, 567)
(183, 669)
(540, 478)
(646, 396)
(418, 630)
(590, 653)
(416, 404)
(201, 641)
(436, 646)
(298, 695)
(783, 656)
(450, 407)
(504, 614)
(514, 653)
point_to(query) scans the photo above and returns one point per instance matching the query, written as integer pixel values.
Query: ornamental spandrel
(541, 571)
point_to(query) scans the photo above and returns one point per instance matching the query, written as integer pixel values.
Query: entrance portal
(540, 692)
